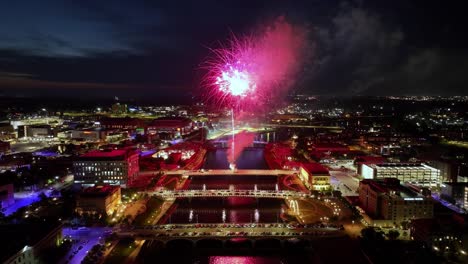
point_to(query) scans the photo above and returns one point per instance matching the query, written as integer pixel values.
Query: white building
(417, 173)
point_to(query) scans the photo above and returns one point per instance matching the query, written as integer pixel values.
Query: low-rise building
(35, 131)
(102, 200)
(170, 127)
(389, 203)
(124, 123)
(417, 173)
(89, 134)
(115, 167)
(315, 176)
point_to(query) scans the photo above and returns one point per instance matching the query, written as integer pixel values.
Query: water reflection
(250, 158)
(243, 260)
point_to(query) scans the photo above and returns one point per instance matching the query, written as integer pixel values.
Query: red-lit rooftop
(98, 191)
(315, 168)
(111, 154)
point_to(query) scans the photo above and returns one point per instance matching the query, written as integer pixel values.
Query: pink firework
(256, 67)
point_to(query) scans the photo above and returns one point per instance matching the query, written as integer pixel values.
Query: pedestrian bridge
(252, 233)
(235, 172)
(229, 193)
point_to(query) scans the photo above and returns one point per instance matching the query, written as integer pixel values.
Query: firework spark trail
(241, 141)
(255, 68)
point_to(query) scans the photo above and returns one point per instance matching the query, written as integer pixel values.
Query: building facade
(417, 173)
(101, 200)
(115, 167)
(392, 202)
(170, 127)
(315, 176)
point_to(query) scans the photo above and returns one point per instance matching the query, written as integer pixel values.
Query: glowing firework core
(235, 82)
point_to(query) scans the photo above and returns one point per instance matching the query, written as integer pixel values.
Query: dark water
(250, 158)
(233, 182)
(226, 210)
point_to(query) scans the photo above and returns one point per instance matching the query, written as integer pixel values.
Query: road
(232, 172)
(450, 206)
(229, 193)
(273, 230)
(27, 198)
(86, 238)
(345, 182)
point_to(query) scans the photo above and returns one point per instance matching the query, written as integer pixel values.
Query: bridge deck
(231, 172)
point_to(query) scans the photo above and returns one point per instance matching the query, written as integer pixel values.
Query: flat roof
(315, 168)
(109, 154)
(391, 186)
(98, 191)
(399, 166)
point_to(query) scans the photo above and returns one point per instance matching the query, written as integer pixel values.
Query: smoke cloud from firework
(257, 67)
(241, 141)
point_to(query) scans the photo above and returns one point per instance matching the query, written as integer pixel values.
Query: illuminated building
(6, 131)
(116, 167)
(288, 118)
(456, 193)
(98, 200)
(118, 108)
(388, 202)
(125, 123)
(97, 135)
(421, 174)
(35, 131)
(315, 176)
(170, 127)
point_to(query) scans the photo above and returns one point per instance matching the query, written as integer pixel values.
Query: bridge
(302, 126)
(234, 172)
(224, 232)
(229, 193)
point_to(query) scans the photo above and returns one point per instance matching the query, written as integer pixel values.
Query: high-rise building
(115, 167)
(388, 202)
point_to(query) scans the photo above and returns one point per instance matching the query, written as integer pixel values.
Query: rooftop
(108, 154)
(98, 191)
(171, 121)
(398, 166)
(315, 168)
(391, 186)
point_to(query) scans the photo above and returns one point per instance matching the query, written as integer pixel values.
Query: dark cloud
(359, 47)
(364, 52)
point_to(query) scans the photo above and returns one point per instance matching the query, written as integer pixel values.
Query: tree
(393, 234)
(369, 234)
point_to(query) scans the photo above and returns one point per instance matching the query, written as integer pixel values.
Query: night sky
(153, 48)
